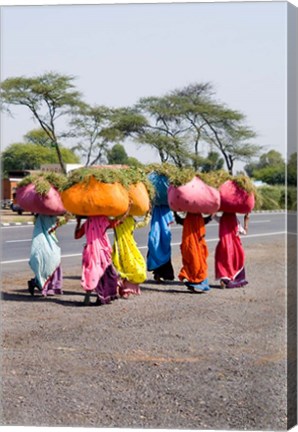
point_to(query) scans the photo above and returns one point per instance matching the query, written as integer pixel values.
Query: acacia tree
(49, 97)
(38, 136)
(90, 125)
(226, 131)
(190, 102)
(98, 127)
(213, 162)
(163, 129)
(181, 124)
(212, 123)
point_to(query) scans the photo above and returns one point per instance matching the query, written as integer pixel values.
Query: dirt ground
(166, 359)
(8, 216)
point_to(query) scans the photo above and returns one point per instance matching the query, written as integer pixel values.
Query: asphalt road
(16, 240)
(167, 359)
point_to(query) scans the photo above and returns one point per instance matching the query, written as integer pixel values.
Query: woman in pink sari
(98, 272)
(229, 253)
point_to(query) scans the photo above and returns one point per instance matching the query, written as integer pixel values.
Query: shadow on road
(148, 286)
(163, 287)
(24, 296)
(153, 282)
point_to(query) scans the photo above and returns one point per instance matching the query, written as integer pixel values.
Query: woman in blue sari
(159, 244)
(45, 257)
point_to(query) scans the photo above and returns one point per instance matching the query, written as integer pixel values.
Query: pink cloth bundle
(194, 197)
(49, 204)
(234, 199)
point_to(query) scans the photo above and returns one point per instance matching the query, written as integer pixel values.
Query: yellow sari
(126, 256)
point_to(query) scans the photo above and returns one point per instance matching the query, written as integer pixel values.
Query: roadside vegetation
(185, 127)
(188, 128)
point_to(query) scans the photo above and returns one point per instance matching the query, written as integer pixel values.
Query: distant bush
(291, 197)
(274, 198)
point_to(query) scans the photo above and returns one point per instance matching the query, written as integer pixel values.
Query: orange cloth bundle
(96, 198)
(140, 202)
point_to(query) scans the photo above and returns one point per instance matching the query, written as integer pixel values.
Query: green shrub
(272, 198)
(291, 198)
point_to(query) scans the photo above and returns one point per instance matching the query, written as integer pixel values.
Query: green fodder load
(158, 175)
(41, 193)
(237, 193)
(189, 193)
(106, 191)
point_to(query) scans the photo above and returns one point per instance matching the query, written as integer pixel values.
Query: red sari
(229, 253)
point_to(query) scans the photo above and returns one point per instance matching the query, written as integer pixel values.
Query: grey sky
(120, 53)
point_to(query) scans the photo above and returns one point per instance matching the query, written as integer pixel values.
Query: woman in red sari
(229, 253)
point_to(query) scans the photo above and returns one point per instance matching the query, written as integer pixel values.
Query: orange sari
(194, 249)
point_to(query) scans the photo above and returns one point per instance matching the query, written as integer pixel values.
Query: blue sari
(159, 242)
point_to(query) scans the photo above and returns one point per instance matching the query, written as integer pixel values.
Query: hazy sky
(120, 53)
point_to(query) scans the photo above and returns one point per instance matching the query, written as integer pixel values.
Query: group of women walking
(111, 271)
(117, 270)
(229, 253)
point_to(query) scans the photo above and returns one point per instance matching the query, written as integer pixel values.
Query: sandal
(87, 301)
(31, 286)
(222, 284)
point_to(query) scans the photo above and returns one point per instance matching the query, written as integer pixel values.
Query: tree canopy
(184, 122)
(49, 97)
(292, 170)
(30, 156)
(117, 155)
(91, 126)
(270, 168)
(38, 136)
(186, 127)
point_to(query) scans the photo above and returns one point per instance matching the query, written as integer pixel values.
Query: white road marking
(17, 241)
(273, 213)
(262, 221)
(172, 228)
(145, 247)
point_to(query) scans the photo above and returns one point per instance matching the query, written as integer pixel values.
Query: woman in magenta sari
(98, 272)
(229, 253)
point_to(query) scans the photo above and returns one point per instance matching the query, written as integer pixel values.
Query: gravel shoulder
(166, 359)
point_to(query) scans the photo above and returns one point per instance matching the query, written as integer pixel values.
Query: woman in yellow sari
(127, 258)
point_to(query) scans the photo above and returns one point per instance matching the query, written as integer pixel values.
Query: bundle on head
(158, 175)
(189, 193)
(139, 198)
(140, 191)
(161, 184)
(237, 195)
(105, 191)
(40, 193)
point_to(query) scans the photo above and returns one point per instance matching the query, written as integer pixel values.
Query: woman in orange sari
(194, 272)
